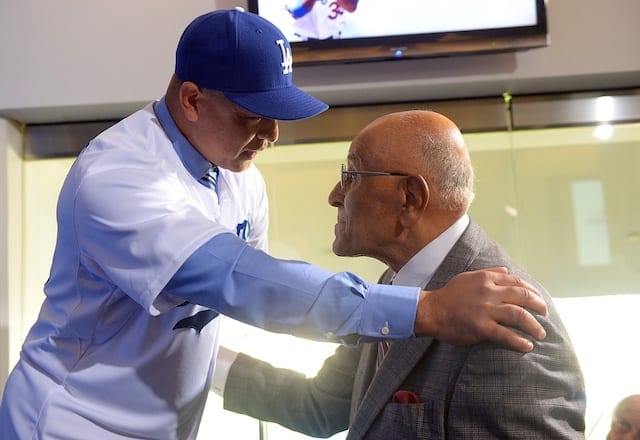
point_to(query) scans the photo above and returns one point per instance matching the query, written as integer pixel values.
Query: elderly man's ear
(416, 198)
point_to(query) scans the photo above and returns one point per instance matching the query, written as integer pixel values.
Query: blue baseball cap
(248, 59)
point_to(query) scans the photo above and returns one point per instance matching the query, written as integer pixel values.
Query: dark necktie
(210, 179)
(383, 346)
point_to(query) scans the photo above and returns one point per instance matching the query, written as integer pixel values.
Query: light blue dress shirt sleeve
(295, 297)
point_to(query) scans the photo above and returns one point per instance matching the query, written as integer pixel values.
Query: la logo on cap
(287, 59)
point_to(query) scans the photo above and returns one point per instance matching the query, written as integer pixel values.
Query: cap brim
(286, 104)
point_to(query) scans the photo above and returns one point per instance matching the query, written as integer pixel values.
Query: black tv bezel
(424, 45)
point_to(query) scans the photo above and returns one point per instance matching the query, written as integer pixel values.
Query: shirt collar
(191, 158)
(421, 267)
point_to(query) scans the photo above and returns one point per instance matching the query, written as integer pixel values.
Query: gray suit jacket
(479, 392)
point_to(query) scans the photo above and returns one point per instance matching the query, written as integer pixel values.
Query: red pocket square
(404, 396)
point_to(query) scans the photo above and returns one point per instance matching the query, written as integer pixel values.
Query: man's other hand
(482, 305)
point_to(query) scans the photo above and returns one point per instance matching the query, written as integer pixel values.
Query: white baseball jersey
(105, 358)
(325, 20)
(112, 355)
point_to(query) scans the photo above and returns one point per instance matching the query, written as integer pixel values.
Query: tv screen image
(322, 31)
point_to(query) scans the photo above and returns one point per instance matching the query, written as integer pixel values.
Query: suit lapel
(367, 365)
(401, 358)
(373, 390)
(364, 377)
(460, 257)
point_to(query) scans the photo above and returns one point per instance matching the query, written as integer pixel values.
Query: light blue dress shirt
(246, 284)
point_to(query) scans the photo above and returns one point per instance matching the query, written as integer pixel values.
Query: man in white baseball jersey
(162, 224)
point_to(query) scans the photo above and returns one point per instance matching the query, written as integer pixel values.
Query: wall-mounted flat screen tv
(346, 31)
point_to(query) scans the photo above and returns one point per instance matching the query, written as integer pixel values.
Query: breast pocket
(406, 421)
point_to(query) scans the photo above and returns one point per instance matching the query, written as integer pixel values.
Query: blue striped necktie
(210, 178)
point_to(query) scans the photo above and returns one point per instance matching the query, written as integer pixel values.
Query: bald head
(625, 423)
(425, 143)
(629, 402)
(408, 178)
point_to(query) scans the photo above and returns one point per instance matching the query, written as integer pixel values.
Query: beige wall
(11, 185)
(79, 60)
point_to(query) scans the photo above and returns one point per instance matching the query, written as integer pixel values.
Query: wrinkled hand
(481, 305)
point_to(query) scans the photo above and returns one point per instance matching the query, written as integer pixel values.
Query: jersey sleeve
(136, 227)
(294, 297)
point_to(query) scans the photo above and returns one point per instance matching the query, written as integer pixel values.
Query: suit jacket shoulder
(479, 392)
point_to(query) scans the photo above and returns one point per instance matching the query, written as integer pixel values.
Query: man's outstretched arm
(232, 278)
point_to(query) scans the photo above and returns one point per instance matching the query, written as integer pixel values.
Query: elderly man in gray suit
(403, 199)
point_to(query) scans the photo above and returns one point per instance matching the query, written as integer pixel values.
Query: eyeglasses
(346, 176)
(623, 427)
